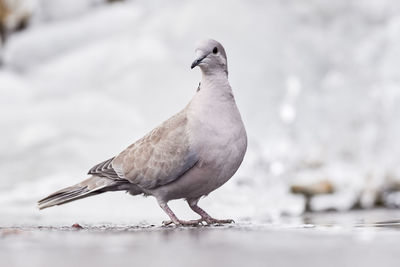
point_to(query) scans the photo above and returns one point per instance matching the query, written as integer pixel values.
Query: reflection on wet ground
(385, 218)
(356, 238)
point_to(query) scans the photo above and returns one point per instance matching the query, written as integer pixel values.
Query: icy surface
(346, 239)
(317, 84)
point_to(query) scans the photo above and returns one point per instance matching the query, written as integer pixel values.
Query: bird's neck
(213, 110)
(215, 84)
(214, 96)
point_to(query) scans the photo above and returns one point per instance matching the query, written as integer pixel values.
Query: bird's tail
(89, 187)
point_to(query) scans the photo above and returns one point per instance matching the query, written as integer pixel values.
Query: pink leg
(204, 215)
(175, 219)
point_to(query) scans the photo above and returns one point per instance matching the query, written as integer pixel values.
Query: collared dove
(188, 156)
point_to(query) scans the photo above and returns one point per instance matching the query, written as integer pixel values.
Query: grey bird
(186, 157)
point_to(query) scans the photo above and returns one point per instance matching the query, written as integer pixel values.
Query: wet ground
(356, 238)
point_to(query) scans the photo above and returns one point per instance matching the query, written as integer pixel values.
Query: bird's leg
(204, 215)
(174, 219)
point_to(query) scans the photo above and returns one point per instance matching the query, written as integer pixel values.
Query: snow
(317, 84)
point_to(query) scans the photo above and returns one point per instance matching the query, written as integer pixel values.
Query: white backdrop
(317, 83)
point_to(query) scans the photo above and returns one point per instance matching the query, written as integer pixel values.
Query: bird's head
(210, 57)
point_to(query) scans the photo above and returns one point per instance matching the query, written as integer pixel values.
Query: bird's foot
(183, 223)
(211, 220)
(199, 222)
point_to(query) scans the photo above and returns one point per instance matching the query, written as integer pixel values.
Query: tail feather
(89, 187)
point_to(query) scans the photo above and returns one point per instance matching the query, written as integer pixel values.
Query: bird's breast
(219, 135)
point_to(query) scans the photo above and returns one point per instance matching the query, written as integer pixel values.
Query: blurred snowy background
(317, 82)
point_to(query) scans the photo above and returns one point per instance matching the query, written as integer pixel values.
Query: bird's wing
(158, 158)
(105, 169)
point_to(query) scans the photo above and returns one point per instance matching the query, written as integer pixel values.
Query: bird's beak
(197, 61)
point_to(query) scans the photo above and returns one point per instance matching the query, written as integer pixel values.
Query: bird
(186, 157)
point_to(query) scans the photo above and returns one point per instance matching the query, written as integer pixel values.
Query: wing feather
(105, 169)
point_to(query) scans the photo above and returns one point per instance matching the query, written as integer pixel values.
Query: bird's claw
(166, 223)
(183, 223)
(199, 222)
(216, 221)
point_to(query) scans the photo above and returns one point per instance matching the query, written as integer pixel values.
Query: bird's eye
(215, 50)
